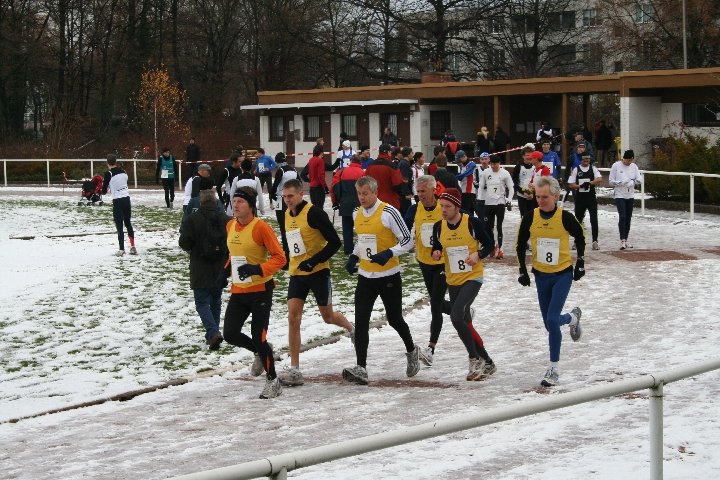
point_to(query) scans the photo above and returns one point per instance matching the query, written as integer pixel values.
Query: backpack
(305, 174)
(213, 246)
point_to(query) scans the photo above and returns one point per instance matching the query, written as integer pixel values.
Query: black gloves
(585, 186)
(336, 206)
(381, 258)
(508, 205)
(244, 271)
(327, 190)
(524, 278)
(579, 269)
(351, 264)
(306, 266)
(273, 197)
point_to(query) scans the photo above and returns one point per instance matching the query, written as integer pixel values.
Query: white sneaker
(291, 377)
(120, 253)
(257, 368)
(426, 356)
(623, 244)
(627, 245)
(413, 362)
(356, 374)
(575, 328)
(475, 370)
(488, 370)
(272, 388)
(551, 378)
(133, 251)
(595, 245)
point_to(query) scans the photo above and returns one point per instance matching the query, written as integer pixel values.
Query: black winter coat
(203, 273)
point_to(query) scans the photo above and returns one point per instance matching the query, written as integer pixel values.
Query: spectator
(192, 156)
(388, 138)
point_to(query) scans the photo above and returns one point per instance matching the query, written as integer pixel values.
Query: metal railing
(277, 466)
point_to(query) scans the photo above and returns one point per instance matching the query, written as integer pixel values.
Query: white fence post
(692, 197)
(5, 171)
(135, 171)
(47, 169)
(92, 169)
(281, 475)
(656, 432)
(642, 198)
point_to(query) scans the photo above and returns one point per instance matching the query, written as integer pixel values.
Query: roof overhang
(352, 103)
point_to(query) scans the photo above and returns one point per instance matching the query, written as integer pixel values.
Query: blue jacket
(265, 164)
(552, 157)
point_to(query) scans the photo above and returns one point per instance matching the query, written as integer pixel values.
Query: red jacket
(316, 172)
(388, 179)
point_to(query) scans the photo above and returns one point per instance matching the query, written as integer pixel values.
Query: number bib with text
(295, 242)
(426, 230)
(548, 250)
(368, 245)
(164, 173)
(457, 257)
(235, 262)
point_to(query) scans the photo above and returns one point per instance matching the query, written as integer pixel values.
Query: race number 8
(368, 252)
(296, 248)
(548, 257)
(461, 265)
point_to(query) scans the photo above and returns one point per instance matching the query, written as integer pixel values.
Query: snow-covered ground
(77, 325)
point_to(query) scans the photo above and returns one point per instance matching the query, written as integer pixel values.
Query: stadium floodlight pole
(684, 17)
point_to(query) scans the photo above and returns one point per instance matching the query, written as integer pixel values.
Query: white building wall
(374, 126)
(416, 132)
(672, 115)
(462, 122)
(303, 149)
(641, 119)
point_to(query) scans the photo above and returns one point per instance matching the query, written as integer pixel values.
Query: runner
(284, 173)
(496, 186)
(547, 228)
(313, 241)
(583, 180)
(255, 255)
(624, 176)
(461, 241)
(382, 237)
(116, 182)
(165, 171)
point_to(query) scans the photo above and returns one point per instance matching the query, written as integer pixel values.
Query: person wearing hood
(388, 177)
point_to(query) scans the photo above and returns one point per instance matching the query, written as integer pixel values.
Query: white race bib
(548, 251)
(457, 257)
(550, 165)
(236, 262)
(164, 173)
(368, 245)
(581, 182)
(295, 243)
(426, 230)
(493, 186)
(260, 167)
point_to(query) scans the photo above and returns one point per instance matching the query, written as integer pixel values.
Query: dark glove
(508, 205)
(351, 264)
(381, 258)
(524, 278)
(273, 197)
(579, 269)
(585, 186)
(306, 266)
(327, 190)
(336, 206)
(244, 271)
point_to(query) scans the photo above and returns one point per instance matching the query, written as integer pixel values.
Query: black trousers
(587, 202)
(317, 196)
(461, 297)
(168, 185)
(121, 215)
(239, 308)
(468, 203)
(389, 289)
(525, 205)
(493, 212)
(434, 278)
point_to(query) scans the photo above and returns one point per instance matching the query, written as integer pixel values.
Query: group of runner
(450, 244)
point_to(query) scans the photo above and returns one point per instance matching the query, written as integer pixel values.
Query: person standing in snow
(207, 274)
(312, 241)
(461, 241)
(382, 237)
(115, 181)
(624, 176)
(548, 228)
(165, 171)
(255, 255)
(495, 186)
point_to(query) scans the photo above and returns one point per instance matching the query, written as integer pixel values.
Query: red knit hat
(452, 195)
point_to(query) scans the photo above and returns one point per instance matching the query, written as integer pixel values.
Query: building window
(496, 57)
(439, 124)
(349, 126)
(496, 25)
(563, 20)
(524, 23)
(312, 127)
(644, 12)
(277, 129)
(562, 54)
(389, 120)
(701, 114)
(590, 18)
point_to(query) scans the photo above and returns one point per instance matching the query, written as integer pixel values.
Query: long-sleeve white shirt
(247, 182)
(391, 219)
(493, 186)
(624, 178)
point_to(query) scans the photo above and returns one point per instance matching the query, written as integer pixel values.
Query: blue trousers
(552, 291)
(208, 305)
(625, 209)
